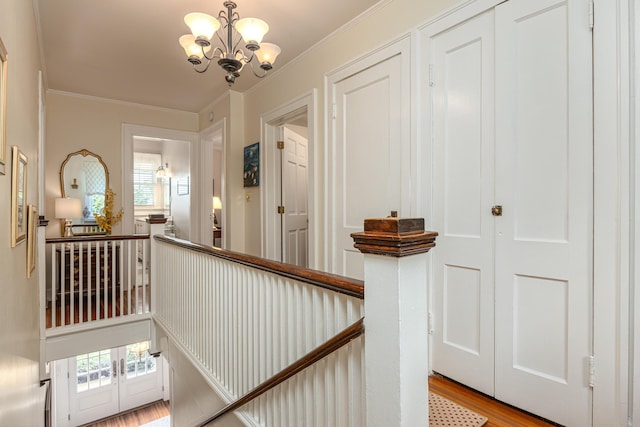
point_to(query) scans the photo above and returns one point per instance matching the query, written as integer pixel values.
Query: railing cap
(395, 237)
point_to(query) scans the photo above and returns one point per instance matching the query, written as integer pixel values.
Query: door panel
(294, 198)
(544, 149)
(463, 180)
(93, 386)
(366, 161)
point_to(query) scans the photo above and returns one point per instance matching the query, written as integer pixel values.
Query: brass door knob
(496, 210)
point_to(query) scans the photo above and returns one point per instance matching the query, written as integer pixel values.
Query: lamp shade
(252, 29)
(217, 203)
(68, 208)
(202, 25)
(268, 52)
(188, 43)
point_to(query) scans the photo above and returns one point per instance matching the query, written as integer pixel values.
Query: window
(139, 361)
(145, 186)
(93, 370)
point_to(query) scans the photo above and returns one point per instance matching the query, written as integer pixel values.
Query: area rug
(445, 413)
(162, 422)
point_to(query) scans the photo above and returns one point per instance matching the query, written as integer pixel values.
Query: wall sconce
(67, 209)
(162, 171)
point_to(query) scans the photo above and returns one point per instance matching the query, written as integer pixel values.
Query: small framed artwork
(18, 196)
(32, 238)
(182, 186)
(252, 165)
(3, 107)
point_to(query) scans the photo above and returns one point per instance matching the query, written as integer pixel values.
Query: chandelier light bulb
(202, 26)
(193, 51)
(268, 53)
(252, 31)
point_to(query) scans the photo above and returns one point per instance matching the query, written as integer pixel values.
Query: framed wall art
(18, 196)
(3, 107)
(182, 186)
(252, 165)
(32, 239)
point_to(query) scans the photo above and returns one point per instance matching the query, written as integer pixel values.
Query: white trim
(129, 132)
(269, 123)
(610, 213)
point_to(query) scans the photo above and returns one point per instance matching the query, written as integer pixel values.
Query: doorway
(512, 198)
(212, 166)
(287, 193)
(103, 383)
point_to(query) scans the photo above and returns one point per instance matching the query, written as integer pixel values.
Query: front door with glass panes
(106, 382)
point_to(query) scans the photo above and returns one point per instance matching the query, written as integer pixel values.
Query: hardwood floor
(135, 417)
(498, 413)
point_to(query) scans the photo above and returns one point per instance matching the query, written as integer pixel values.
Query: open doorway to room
(212, 167)
(158, 178)
(102, 383)
(287, 194)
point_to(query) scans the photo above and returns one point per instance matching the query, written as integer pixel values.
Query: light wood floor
(498, 413)
(134, 418)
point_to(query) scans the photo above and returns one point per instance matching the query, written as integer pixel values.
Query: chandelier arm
(253, 70)
(213, 53)
(204, 69)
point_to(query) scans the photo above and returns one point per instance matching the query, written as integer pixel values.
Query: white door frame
(269, 158)
(210, 142)
(129, 132)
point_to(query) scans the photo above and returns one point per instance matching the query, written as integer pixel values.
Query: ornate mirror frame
(83, 153)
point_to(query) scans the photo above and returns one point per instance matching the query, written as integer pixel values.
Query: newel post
(396, 317)
(156, 226)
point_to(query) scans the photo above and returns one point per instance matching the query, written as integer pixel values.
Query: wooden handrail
(319, 353)
(97, 237)
(333, 282)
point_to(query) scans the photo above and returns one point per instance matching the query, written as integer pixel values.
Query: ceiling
(128, 49)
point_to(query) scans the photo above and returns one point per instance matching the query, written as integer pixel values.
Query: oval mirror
(84, 176)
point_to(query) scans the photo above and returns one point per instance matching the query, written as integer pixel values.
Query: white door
(295, 224)
(544, 180)
(368, 143)
(93, 386)
(529, 267)
(463, 184)
(106, 382)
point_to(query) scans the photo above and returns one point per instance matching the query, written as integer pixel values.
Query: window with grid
(145, 186)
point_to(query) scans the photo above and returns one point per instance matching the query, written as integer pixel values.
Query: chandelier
(230, 31)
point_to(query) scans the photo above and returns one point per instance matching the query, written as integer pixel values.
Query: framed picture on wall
(252, 165)
(3, 106)
(18, 196)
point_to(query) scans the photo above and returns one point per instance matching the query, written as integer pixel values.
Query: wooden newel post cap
(393, 236)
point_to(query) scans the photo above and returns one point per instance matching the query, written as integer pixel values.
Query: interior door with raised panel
(544, 180)
(463, 191)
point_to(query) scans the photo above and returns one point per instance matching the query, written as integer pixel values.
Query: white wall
(19, 344)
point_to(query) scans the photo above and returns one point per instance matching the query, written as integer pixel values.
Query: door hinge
(591, 13)
(430, 323)
(280, 210)
(592, 371)
(431, 82)
(69, 417)
(280, 145)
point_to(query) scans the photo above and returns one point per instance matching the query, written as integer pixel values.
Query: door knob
(496, 210)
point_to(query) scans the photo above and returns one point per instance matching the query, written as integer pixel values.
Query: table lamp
(67, 208)
(217, 204)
